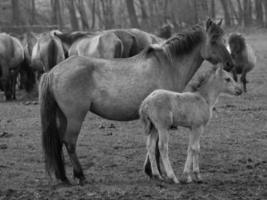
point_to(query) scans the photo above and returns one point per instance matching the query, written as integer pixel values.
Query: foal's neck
(210, 93)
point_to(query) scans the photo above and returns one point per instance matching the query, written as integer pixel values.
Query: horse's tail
(51, 141)
(52, 53)
(145, 118)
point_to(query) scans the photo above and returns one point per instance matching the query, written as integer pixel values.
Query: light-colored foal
(163, 109)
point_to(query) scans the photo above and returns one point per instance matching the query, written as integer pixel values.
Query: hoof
(156, 177)
(173, 180)
(197, 178)
(185, 179)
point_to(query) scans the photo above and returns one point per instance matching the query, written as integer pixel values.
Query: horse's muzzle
(228, 66)
(238, 91)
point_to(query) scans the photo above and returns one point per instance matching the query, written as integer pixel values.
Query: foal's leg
(163, 149)
(195, 146)
(70, 140)
(147, 164)
(151, 157)
(234, 74)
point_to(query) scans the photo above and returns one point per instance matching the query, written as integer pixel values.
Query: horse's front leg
(164, 154)
(195, 146)
(244, 80)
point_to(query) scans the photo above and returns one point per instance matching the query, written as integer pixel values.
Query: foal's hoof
(172, 180)
(185, 179)
(197, 178)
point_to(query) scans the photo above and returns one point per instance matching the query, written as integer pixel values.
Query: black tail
(52, 143)
(27, 76)
(52, 54)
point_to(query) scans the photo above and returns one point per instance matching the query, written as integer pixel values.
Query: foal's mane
(202, 79)
(184, 42)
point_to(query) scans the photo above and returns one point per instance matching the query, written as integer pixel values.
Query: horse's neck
(186, 67)
(210, 93)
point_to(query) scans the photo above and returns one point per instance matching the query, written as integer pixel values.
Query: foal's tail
(52, 143)
(145, 118)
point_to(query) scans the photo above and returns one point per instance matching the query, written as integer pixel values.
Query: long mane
(184, 42)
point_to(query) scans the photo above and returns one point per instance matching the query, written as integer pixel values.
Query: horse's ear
(153, 48)
(220, 22)
(208, 23)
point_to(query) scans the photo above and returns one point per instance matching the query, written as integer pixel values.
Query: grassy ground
(233, 152)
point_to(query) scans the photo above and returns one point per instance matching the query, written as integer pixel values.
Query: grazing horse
(114, 89)
(115, 43)
(27, 75)
(11, 58)
(47, 52)
(243, 56)
(163, 109)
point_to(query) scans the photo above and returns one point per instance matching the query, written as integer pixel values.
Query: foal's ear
(220, 22)
(208, 23)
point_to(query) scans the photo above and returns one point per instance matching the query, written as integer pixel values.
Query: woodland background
(39, 15)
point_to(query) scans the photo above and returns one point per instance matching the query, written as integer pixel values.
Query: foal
(163, 109)
(243, 56)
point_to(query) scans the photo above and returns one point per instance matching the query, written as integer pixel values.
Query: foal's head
(214, 49)
(224, 83)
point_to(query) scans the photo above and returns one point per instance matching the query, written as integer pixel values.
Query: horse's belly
(115, 111)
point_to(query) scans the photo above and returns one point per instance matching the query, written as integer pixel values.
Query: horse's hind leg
(244, 80)
(147, 165)
(70, 137)
(152, 172)
(163, 149)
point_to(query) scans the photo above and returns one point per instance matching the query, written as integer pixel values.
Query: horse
(164, 109)
(114, 43)
(243, 56)
(26, 74)
(11, 57)
(47, 52)
(114, 89)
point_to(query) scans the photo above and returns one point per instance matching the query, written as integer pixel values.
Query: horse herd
(124, 74)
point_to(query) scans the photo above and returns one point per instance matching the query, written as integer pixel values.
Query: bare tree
(57, 13)
(132, 13)
(259, 11)
(226, 11)
(73, 17)
(83, 14)
(16, 15)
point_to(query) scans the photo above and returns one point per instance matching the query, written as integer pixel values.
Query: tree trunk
(83, 14)
(265, 9)
(247, 12)
(33, 13)
(73, 17)
(93, 15)
(132, 13)
(57, 13)
(259, 11)
(226, 12)
(212, 9)
(240, 12)
(144, 14)
(16, 15)
(232, 8)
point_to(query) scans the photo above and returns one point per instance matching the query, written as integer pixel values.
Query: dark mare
(47, 52)
(243, 56)
(114, 89)
(11, 58)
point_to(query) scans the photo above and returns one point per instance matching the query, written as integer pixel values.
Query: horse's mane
(202, 79)
(238, 40)
(184, 42)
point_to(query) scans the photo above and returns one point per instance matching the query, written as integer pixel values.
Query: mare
(11, 58)
(243, 56)
(27, 75)
(47, 52)
(114, 89)
(164, 109)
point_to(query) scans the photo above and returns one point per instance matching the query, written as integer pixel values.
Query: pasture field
(233, 157)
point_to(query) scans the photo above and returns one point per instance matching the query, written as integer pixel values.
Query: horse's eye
(227, 79)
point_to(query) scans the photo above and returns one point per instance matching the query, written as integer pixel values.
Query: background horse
(11, 58)
(114, 89)
(47, 52)
(163, 109)
(243, 56)
(26, 74)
